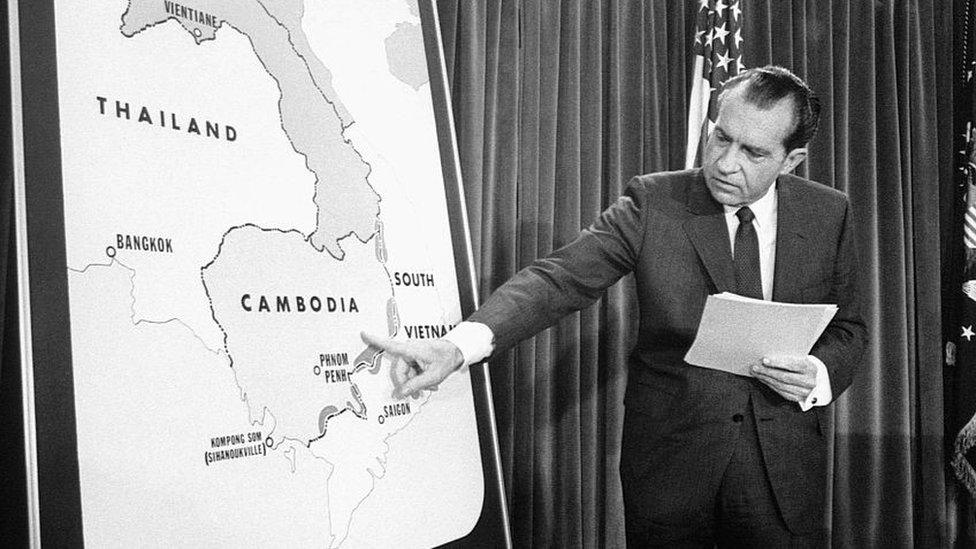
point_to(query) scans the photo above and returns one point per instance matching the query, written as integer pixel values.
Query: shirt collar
(764, 209)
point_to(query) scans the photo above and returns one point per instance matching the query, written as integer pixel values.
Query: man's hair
(766, 86)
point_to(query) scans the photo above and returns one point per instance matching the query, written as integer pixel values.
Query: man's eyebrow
(751, 149)
(757, 151)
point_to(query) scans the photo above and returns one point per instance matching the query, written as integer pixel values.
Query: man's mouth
(724, 183)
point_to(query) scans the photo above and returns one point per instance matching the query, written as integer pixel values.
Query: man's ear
(794, 159)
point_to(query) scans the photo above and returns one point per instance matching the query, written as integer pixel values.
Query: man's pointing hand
(417, 365)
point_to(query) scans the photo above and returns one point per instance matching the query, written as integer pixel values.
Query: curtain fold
(558, 104)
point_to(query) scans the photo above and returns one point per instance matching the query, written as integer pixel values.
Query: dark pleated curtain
(557, 104)
(878, 66)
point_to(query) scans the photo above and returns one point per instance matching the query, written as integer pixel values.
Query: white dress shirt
(476, 341)
(764, 221)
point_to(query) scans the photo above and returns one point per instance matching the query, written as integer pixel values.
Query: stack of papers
(736, 331)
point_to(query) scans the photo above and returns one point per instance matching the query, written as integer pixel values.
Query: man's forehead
(765, 127)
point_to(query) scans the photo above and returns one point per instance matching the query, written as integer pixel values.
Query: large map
(248, 185)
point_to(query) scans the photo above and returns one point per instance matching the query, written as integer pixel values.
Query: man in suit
(707, 457)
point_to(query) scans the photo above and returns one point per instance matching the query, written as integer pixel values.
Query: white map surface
(247, 186)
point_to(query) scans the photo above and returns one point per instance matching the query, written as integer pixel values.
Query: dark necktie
(748, 279)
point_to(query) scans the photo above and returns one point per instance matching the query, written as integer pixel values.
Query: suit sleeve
(572, 277)
(842, 344)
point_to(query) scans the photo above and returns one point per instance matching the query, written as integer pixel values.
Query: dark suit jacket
(678, 429)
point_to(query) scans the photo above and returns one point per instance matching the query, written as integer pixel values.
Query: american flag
(718, 57)
(961, 353)
(964, 450)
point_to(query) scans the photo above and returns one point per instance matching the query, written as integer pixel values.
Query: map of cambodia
(292, 317)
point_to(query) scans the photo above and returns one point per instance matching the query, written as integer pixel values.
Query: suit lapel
(710, 235)
(790, 243)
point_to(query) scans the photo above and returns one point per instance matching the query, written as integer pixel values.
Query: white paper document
(736, 331)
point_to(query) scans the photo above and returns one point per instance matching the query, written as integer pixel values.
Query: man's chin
(724, 194)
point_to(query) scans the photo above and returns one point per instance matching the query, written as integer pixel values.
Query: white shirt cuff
(475, 341)
(821, 394)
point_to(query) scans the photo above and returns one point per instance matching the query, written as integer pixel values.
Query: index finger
(787, 362)
(392, 346)
(426, 380)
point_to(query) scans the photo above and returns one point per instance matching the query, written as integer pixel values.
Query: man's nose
(728, 162)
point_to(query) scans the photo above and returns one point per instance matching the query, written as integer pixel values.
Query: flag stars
(716, 26)
(967, 332)
(723, 61)
(720, 32)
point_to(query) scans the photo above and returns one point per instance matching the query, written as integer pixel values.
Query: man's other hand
(793, 377)
(417, 365)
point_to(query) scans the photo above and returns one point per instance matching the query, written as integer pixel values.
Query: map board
(214, 199)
